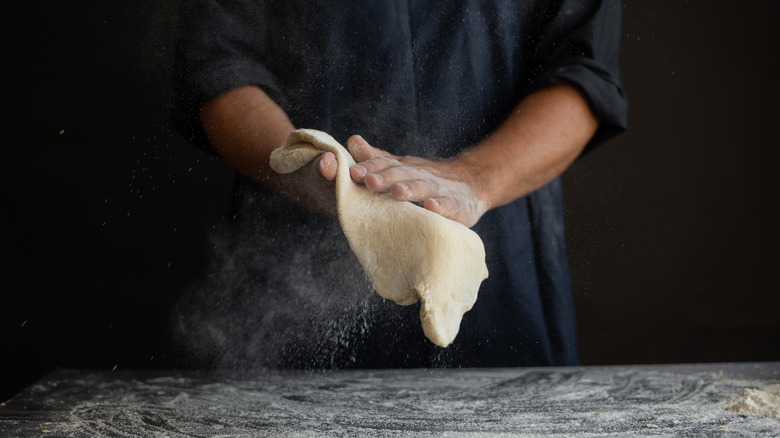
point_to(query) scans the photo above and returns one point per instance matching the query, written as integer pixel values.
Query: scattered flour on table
(764, 401)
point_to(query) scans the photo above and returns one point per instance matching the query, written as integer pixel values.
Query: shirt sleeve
(220, 47)
(580, 45)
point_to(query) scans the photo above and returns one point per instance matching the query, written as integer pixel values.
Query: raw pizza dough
(764, 402)
(408, 252)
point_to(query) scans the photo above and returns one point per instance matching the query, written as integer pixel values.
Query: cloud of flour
(281, 295)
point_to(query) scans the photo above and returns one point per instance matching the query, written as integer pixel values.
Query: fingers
(429, 195)
(434, 194)
(381, 169)
(452, 208)
(370, 159)
(362, 151)
(414, 180)
(414, 190)
(458, 202)
(435, 205)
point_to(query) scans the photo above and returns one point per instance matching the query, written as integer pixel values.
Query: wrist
(472, 172)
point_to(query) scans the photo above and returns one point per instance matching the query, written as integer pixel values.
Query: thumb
(327, 165)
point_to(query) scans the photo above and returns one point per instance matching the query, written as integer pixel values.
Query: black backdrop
(105, 212)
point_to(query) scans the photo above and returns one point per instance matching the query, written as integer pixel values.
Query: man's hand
(443, 187)
(535, 144)
(245, 125)
(313, 186)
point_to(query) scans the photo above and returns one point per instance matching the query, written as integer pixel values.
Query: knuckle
(377, 163)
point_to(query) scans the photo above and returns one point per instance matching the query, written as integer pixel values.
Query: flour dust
(279, 294)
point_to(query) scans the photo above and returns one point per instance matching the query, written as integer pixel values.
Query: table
(647, 400)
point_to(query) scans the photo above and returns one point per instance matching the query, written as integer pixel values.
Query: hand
(313, 185)
(444, 187)
(245, 125)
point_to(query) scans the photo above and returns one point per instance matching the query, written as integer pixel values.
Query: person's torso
(425, 78)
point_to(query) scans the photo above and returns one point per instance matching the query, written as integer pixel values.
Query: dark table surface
(650, 400)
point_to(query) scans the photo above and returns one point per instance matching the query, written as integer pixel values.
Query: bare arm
(537, 142)
(245, 126)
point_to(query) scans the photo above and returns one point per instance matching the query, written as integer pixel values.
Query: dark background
(105, 212)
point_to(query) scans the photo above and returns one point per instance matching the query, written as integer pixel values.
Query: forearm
(547, 131)
(244, 126)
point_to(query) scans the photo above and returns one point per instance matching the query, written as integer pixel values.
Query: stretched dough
(408, 252)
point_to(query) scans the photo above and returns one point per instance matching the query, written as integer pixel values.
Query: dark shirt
(424, 78)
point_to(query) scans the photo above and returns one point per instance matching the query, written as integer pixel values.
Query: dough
(408, 252)
(764, 402)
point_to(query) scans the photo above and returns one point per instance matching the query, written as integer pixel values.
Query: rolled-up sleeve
(220, 47)
(580, 45)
